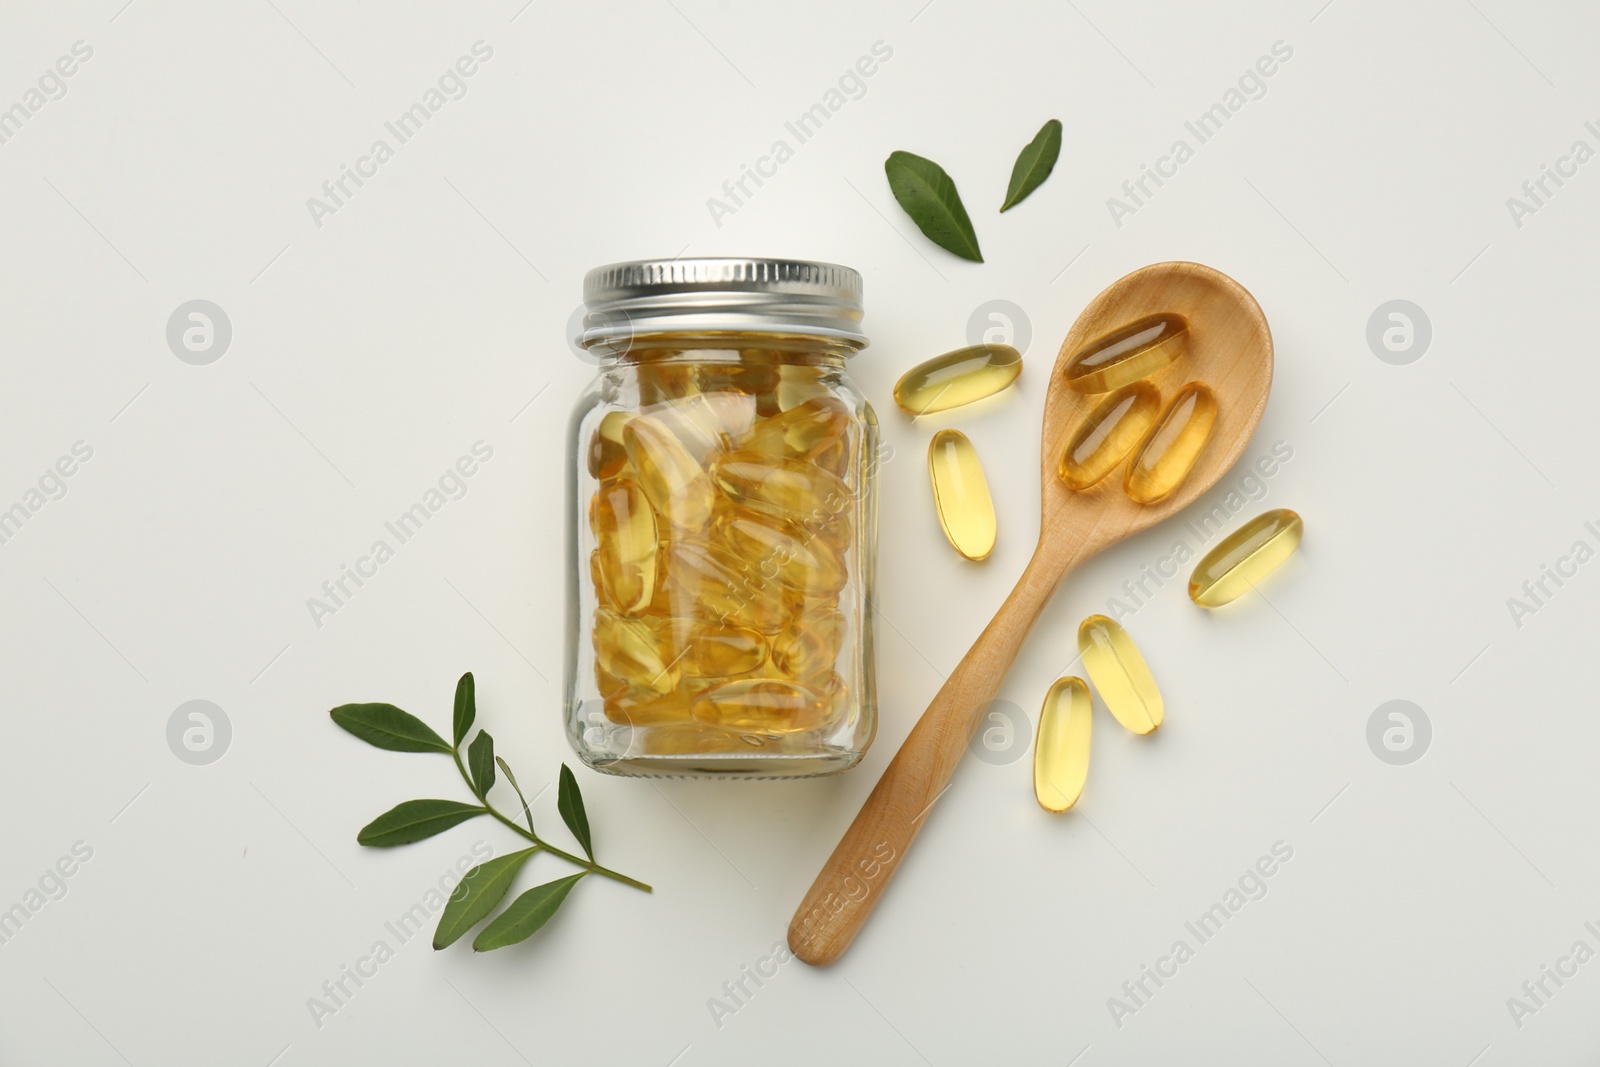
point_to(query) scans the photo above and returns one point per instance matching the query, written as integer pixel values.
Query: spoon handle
(864, 861)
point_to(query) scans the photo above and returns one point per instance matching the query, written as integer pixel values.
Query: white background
(428, 314)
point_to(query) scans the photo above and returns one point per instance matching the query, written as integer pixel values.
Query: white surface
(428, 313)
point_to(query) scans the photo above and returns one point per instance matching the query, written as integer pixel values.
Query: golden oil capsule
(1111, 431)
(1061, 751)
(607, 457)
(766, 705)
(635, 706)
(799, 559)
(1245, 557)
(661, 380)
(606, 682)
(711, 649)
(1125, 355)
(961, 494)
(810, 647)
(1169, 451)
(672, 739)
(1120, 674)
(798, 383)
(706, 423)
(834, 458)
(793, 487)
(800, 431)
(957, 378)
(625, 530)
(705, 580)
(628, 649)
(674, 482)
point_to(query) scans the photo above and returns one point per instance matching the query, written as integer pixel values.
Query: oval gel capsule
(1246, 556)
(791, 486)
(961, 494)
(766, 705)
(1170, 450)
(629, 650)
(957, 378)
(625, 531)
(711, 650)
(671, 478)
(800, 431)
(1061, 752)
(1120, 674)
(1111, 431)
(1125, 355)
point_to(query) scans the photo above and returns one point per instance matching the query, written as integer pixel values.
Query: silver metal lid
(796, 296)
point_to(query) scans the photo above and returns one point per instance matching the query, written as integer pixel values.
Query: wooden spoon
(1230, 349)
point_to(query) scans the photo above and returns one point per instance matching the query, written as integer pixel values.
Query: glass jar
(722, 504)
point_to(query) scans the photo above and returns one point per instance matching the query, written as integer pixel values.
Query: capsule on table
(810, 646)
(800, 431)
(675, 483)
(1171, 448)
(1109, 432)
(766, 705)
(803, 561)
(1061, 751)
(607, 456)
(957, 378)
(961, 494)
(1125, 355)
(1243, 558)
(1120, 674)
(711, 649)
(791, 486)
(628, 649)
(625, 531)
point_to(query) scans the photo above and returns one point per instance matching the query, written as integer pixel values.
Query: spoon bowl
(1230, 349)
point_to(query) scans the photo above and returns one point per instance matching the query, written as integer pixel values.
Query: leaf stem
(589, 866)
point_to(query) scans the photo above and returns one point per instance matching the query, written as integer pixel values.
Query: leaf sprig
(482, 888)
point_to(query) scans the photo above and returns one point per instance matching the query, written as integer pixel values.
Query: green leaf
(483, 887)
(386, 726)
(525, 915)
(570, 804)
(1034, 163)
(928, 195)
(505, 769)
(480, 761)
(415, 820)
(466, 706)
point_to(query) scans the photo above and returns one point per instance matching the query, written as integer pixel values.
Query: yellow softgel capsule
(1111, 431)
(706, 423)
(672, 479)
(957, 378)
(961, 494)
(1170, 449)
(800, 431)
(766, 705)
(801, 560)
(607, 457)
(1061, 751)
(1120, 674)
(1243, 558)
(635, 706)
(707, 581)
(810, 646)
(629, 650)
(794, 487)
(1125, 355)
(711, 649)
(625, 529)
